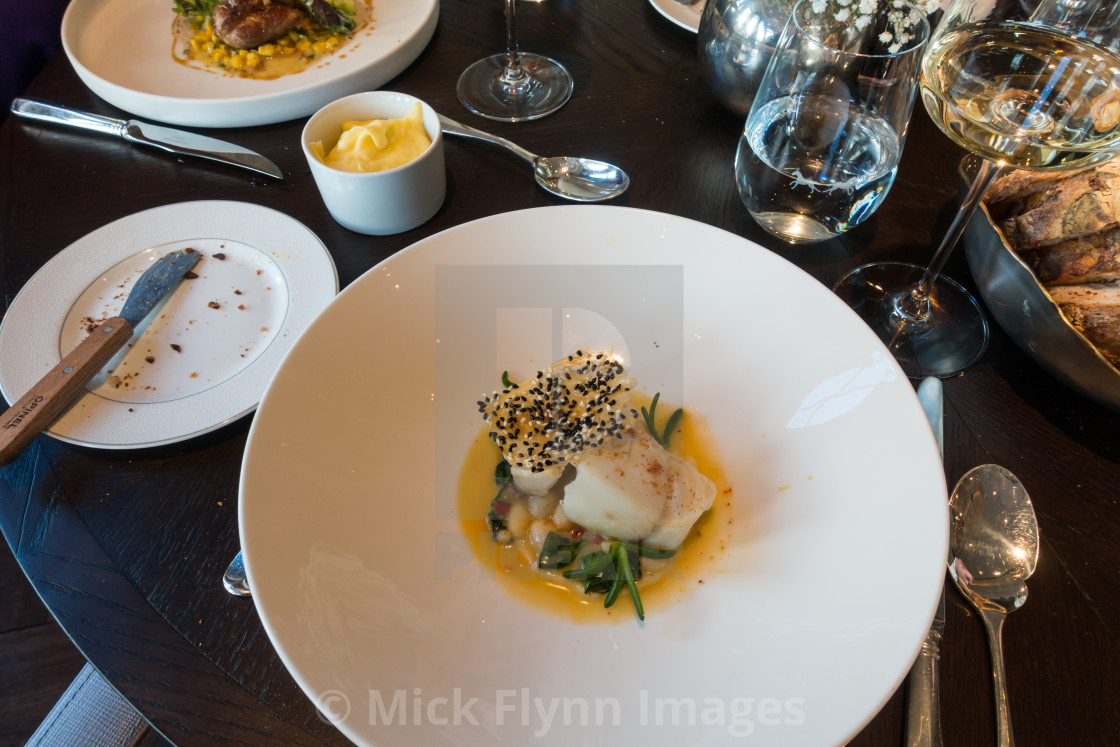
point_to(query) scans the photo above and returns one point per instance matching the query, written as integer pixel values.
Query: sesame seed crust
(578, 402)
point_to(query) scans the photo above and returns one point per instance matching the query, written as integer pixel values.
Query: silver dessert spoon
(993, 547)
(579, 179)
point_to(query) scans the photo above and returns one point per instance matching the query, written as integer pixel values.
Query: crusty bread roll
(1019, 184)
(1089, 212)
(1066, 227)
(1095, 310)
(1087, 259)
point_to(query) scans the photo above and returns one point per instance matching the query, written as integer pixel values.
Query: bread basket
(1025, 311)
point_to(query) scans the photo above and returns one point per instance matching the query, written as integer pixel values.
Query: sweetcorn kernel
(266, 50)
(252, 59)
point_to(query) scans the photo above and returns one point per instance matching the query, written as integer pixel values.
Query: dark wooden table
(127, 548)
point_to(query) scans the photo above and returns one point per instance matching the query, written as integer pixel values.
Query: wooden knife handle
(37, 409)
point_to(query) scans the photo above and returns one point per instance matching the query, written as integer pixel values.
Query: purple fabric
(29, 32)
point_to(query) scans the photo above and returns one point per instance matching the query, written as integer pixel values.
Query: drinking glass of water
(821, 145)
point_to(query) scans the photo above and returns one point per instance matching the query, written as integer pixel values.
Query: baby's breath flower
(861, 13)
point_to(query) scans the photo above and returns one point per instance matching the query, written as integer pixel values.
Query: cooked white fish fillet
(635, 490)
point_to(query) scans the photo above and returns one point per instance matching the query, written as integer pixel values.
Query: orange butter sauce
(697, 557)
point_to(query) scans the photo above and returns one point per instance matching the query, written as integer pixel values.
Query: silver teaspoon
(234, 579)
(579, 179)
(993, 547)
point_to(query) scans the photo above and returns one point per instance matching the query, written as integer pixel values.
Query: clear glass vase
(735, 42)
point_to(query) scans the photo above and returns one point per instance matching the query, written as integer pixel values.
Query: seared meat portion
(245, 24)
(325, 14)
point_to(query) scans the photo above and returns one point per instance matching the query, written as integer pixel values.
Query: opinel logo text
(19, 416)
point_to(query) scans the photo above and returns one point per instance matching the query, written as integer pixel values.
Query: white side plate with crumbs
(810, 614)
(122, 50)
(205, 356)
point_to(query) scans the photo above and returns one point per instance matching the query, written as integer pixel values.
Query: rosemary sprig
(624, 565)
(650, 417)
(616, 586)
(593, 564)
(609, 571)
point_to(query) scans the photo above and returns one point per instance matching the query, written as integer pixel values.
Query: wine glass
(1022, 84)
(514, 86)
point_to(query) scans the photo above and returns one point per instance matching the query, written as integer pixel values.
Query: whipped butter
(377, 144)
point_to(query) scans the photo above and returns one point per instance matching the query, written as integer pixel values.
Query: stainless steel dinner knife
(37, 409)
(179, 142)
(923, 720)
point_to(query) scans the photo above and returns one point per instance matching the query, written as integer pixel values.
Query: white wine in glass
(1023, 84)
(514, 86)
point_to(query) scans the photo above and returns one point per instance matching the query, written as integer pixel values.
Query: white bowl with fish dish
(420, 592)
(164, 59)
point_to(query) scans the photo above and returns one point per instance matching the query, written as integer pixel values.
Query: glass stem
(513, 77)
(914, 306)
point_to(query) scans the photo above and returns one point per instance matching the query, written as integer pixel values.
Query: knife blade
(923, 720)
(171, 140)
(38, 408)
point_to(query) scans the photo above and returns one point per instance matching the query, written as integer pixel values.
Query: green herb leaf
(591, 564)
(505, 380)
(558, 551)
(503, 474)
(649, 552)
(497, 523)
(629, 578)
(650, 416)
(616, 585)
(194, 7)
(671, 426)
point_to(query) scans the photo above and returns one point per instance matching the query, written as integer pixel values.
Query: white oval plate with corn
(124, 52)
